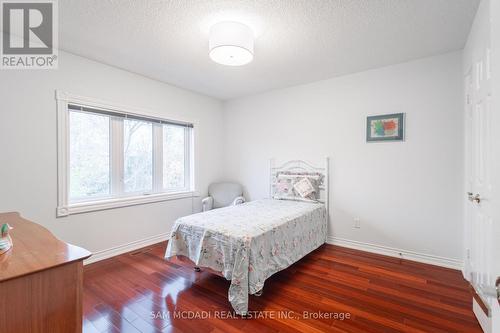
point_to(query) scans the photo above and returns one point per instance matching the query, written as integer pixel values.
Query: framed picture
(387, 127)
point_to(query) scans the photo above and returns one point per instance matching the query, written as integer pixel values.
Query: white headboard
(303, 166)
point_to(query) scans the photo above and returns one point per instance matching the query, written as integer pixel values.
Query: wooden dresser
(40, 281)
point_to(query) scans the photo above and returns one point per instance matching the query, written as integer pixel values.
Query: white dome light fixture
(231, 44)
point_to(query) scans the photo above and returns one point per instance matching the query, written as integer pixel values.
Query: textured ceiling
(297, 41)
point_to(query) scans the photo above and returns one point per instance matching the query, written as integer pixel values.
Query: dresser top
(35, 249)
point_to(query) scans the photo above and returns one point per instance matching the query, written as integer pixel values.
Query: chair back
(224, 193)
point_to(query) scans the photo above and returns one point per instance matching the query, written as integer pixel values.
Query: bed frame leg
(259, 293)
(197, 269)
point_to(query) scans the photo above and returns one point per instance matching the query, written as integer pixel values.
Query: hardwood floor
(141, 292)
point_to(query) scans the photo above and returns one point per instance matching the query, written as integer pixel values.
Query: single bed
(248, 243)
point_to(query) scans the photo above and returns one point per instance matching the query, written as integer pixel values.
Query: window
(110, 158)
(174, 157)
(138, 155)
(89, 156)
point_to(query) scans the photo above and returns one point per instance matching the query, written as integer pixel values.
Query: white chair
(223, 195)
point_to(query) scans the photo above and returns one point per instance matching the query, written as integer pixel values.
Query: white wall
(408, 195)
(28, 166)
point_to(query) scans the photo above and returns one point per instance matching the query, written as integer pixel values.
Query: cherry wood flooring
(141, 292)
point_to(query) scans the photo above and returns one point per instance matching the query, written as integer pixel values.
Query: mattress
(248, 243)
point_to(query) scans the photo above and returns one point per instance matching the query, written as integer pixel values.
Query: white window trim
(64, 208)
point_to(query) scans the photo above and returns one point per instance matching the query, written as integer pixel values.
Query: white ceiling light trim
(231, 43)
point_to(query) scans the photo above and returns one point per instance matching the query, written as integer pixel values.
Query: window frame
(118, 197)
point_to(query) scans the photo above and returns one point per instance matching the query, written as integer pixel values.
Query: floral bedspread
(250, 242)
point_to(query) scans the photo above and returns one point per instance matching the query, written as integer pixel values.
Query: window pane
(138, 155)
(89, 155)
(173, 157)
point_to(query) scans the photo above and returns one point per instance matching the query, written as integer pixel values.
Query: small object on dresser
(5, 240)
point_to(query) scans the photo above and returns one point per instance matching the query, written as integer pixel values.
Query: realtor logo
(29, 34)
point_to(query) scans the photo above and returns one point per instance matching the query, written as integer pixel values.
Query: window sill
(84, 207)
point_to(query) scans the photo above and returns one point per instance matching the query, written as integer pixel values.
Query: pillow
(284, 185)
(304, 188)
(314, 176)
(283, 189)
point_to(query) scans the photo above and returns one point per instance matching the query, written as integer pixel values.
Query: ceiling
(297, 41)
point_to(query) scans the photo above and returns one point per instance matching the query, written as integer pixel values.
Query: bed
(248, 243)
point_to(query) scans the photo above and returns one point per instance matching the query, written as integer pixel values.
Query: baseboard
(484, 321)
(398, 253)
(117, 250)
(379, 249)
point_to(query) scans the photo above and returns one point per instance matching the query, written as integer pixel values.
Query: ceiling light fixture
(231, 44)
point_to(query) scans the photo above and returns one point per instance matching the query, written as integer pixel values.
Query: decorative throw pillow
(283, 188)
(284, 185)
(304, 188)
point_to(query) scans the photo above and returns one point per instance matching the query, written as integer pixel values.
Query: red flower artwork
(389, 125)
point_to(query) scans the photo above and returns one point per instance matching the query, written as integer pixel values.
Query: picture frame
(387, 127)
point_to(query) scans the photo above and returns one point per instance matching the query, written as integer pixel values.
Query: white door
(482, 228)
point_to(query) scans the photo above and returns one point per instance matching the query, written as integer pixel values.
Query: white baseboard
(398, 253)
(117, 250)
(379, 249)
(484, 321)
